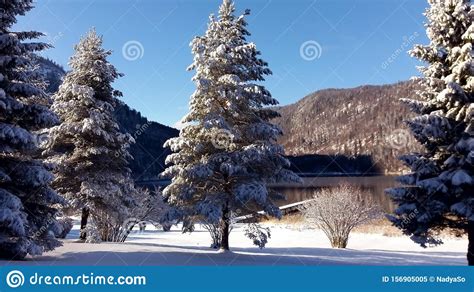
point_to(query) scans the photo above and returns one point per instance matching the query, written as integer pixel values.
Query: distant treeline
(337, 165)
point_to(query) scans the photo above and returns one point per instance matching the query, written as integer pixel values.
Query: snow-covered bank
(287, 246)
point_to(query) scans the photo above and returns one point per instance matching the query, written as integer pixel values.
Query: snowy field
(288, 246)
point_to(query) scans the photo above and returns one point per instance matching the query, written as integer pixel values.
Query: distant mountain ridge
(366, 120)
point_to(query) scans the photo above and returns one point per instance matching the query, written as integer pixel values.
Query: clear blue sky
(362, 42)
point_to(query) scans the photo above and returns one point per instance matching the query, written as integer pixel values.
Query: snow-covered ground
(288, 246)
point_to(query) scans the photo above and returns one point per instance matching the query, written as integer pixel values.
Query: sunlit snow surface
(287, 246)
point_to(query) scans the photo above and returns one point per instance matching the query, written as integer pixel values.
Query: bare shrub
(337, 211)
(150, 208)
(215, 231)
(146, 207)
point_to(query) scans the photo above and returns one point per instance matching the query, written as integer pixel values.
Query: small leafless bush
(337, 211)
(214, 230)
(150, 208)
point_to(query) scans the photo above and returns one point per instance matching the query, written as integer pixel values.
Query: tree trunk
(166, 226)
(84, 217)
(225, 224)
(470, 238)
(142, 226)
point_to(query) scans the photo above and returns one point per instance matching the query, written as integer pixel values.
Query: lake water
(373, 186)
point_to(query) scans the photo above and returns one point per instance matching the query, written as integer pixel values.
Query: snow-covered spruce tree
(438, 193)
(227, 154)
(89, 152)
(27, 202)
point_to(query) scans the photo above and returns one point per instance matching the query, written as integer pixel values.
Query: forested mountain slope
(366, 120)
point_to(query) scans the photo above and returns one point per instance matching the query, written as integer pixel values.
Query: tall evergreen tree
(439, 191)
(27, 212)
(90, 153)
(227, 154)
